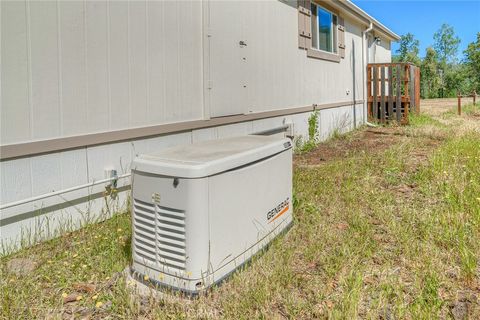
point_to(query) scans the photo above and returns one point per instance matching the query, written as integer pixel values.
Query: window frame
(333, 28)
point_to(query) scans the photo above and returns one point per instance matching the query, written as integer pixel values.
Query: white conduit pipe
(55, 193)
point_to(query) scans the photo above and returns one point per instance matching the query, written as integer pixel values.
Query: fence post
(459, 106)
(417, 89)
(474, 97)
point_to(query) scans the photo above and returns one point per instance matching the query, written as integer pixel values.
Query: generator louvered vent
(159, 235)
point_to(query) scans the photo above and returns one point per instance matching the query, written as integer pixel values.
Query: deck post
(390, 94)
(407, 93)
(411, 88)
(398, 79)
(375, 93)
(417, 89)
(382, 97)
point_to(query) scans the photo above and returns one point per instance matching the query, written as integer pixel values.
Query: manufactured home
(86, 86)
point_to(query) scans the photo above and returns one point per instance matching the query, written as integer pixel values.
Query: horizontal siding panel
(172, 59)
(15, 76)
(118, 64)
(157, 77)
(101, 66)
(191, 59)
(97, 68)
(74, 67)
(45, 70)
(137, 62)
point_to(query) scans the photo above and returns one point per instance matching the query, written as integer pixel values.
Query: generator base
(150, 281)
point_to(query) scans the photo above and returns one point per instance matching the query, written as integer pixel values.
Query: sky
(423, 18)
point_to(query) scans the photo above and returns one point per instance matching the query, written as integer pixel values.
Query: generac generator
(202, 210)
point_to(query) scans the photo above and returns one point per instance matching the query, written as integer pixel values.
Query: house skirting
(36, 168)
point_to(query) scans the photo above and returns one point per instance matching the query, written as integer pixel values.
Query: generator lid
(207, 158)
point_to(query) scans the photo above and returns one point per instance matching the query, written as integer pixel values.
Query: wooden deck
(393, 91)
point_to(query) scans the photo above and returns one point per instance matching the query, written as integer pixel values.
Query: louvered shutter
(304, 27)
(341, 37)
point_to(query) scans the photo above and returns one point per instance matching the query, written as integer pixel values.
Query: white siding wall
(383, 51)
(275, 73)
(379, 53)
(75, 67)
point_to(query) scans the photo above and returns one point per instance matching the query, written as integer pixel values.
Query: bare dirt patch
(21, 266)
(371, 140)
(375, 140)
(420, 153)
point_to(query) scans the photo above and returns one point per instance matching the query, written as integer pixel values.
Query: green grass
(422, 119)
(383, 235)
(89, 255)
(471, 109)
(468, 109)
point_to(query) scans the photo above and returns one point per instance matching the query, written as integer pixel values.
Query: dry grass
(435, 107)
(387, 225)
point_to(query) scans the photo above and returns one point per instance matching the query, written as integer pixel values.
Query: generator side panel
(247, 206)
(170, 228)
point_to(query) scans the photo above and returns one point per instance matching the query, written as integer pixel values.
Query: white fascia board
(359, 14)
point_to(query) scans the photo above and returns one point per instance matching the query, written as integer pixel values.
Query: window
(324, 27)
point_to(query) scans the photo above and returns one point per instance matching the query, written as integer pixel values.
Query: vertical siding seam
(29, 84)
(147, 62)
(85, 43)
(59, 69)
(29, 66)
(129, 62)
(109, 85)
(179, 78)
(205, 61)
(164, 95)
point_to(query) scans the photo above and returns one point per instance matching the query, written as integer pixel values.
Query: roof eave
(377, 25)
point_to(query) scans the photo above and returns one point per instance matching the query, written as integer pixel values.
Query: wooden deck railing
(393, 91)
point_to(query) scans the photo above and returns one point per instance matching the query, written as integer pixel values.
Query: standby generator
(200, 211)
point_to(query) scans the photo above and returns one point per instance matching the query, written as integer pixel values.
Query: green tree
(446, 44)
(472, 64)
(408, 50)
(455, 80)
(430, 78)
